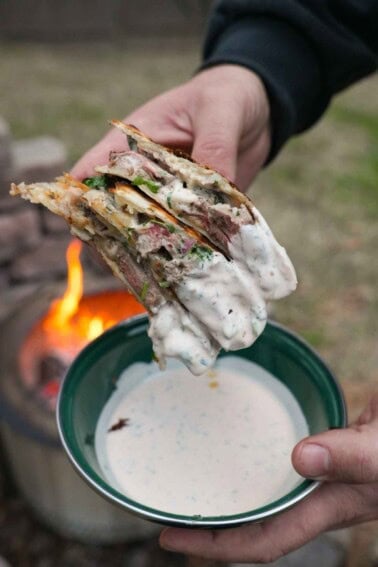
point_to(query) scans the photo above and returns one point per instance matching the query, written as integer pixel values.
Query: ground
(320, 195)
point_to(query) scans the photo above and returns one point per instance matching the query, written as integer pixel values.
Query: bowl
(92, 378)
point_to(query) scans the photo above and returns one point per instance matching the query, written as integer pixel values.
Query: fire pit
(39, 341)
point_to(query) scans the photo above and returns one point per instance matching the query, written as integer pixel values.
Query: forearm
(304, 51)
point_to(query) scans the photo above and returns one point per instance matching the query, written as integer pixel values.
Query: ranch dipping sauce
(215, 445)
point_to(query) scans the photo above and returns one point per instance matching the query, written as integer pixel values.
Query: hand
(346, 460)
(220, 116)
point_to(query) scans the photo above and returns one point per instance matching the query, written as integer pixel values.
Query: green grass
(362, 183)
(319, 196)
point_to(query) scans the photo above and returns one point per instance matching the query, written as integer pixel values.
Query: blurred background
(68, 67)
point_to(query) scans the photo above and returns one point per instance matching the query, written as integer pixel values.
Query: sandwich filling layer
(193, 250)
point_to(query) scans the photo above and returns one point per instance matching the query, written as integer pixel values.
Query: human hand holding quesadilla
(192, 248)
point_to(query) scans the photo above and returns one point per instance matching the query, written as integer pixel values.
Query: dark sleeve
(305, 51)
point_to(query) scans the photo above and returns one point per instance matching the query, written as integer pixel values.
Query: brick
(52, 223)
(4, 278)
(45, 262)
(19, 231)
(38, 159)
(374, 552)
(8, 203)
(13, 297)
(5, 156)
(11, 204)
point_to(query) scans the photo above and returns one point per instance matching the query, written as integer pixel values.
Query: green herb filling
(98, 182)
(153, 187)
(202, 252)
(144, 291)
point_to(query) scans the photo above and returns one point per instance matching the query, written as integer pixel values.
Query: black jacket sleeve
(305, 51)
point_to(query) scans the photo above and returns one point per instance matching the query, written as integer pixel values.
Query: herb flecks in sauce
(202, 252)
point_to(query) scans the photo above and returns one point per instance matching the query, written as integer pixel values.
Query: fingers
(217, 127)
(349, 455)
(346, 455)
(251, 160)
(327, 507)
(230, 121)
(161, 118)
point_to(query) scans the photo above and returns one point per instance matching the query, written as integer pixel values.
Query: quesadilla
(192, 248)
(205, 200)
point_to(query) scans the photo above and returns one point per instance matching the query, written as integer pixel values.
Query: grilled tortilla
(192, 248)
(205, 200)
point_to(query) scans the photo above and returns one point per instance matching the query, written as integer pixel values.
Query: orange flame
(62, 310)
(75, 320)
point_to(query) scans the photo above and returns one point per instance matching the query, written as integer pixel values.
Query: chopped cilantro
(202, 252)
(169, 200)
(98, 182)
(153, 187)
(144, 291)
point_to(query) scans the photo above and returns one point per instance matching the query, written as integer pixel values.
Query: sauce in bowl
(219, 444)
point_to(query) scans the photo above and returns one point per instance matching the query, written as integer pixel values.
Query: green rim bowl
(92, 378)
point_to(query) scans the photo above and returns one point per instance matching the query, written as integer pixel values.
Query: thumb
(217, 128)
(345, 455)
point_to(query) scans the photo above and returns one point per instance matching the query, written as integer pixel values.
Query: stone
(52, 223)
(321, 552)
(137, 557)
(38, 159)
(5, 156)
(13, 298)
(374, 552)
(9, 203)
(46, 262)
(4, 278)
(19, 231)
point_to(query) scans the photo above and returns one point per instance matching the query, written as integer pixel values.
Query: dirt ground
(320, 195)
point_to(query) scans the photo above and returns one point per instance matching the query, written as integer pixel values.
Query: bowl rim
(300, 492)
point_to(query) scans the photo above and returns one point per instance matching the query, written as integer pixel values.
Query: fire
(74, 320)
(62, 310)
(70, 323)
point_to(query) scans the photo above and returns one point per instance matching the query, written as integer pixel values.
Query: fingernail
(315, 460)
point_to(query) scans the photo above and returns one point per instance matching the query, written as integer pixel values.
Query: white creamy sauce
(215, 445)
(176, 333)
(267, 261)
(224, 298)
(227, 297)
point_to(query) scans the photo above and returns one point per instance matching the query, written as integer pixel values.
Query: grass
(320, 195)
